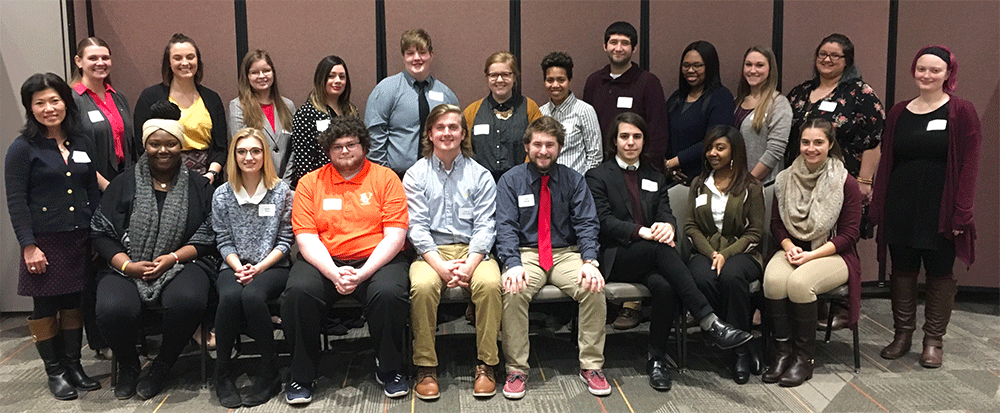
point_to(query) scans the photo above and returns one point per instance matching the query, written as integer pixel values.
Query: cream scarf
(809, 202)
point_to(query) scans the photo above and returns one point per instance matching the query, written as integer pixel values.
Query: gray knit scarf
(153, 234)
(809, 202)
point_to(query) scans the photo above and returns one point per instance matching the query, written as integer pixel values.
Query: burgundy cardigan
(959, 197)
(846, 239)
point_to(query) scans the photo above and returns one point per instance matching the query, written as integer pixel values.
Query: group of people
(181, 201)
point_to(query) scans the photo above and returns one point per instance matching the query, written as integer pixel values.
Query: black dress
(913, 196)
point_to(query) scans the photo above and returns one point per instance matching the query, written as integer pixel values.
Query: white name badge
(465, 213)
(333, 204)
(625, 102)
(828, 106)
(435, 95)
(95, 116)
(701, 200)
(525, 201)
(568, 126)
(80, 157)
(937, 124)
(265, 210)
(481, 129)
(322, 124)
(649, 185)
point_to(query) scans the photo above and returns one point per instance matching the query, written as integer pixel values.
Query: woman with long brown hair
(261, 106)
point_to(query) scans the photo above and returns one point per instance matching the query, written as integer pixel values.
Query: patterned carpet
(968, 381)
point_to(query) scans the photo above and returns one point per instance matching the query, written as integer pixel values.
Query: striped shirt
(582, 150)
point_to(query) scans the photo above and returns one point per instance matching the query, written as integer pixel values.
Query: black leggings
(48, 306)
(247, 303)
(119, 311)
(937, 263)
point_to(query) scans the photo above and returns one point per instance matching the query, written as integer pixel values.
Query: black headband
(939, 52)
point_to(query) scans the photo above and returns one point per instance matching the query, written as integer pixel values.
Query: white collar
(624, 165)
(242, 198)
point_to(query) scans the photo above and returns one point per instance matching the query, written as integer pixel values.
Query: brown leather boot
(937, 313)
(903, 290)
(804, 340)
(485, 384)
(777, 312)
(426, 386)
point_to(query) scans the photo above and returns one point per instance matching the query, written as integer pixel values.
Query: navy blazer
(607, 185)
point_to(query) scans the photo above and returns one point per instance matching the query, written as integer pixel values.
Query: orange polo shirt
(349, 216)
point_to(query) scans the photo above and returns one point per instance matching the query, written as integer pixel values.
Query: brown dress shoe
(485, 382)
(426, 385)
(627, 319)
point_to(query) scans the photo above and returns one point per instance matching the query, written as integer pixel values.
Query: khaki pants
(425, 295)
(563, 274)
(801, 283)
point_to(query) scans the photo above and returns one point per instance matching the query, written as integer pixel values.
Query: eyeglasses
(695, 66)
(349, 147)
(833, 56)
(504, 75)
(258, 73)
(253, 151)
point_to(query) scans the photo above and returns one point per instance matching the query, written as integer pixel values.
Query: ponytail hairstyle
(770, 88)
(80, 47)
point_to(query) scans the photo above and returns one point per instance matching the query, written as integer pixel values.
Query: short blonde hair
(432, 118)
(415, 38)
(232, 168)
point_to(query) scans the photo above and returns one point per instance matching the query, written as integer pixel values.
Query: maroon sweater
(959, 197)
(602, 92)
(846, 239)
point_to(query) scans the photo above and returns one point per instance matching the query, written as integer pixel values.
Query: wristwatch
(592, 262)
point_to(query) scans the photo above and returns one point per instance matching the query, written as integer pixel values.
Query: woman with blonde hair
(763, 114)
(251, 216)
(261, 106)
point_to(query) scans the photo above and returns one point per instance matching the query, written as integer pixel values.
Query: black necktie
(424, 110)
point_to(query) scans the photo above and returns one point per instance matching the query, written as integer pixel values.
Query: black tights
(50, 305)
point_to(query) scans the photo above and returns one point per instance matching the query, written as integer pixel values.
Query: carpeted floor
(968, 381)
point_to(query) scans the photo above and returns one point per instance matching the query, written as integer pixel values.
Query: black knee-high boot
(71, 323)
(45, 331)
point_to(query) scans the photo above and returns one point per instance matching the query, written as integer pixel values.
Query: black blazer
(220, 135)
(618, 226)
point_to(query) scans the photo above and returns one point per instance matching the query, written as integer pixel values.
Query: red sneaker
(514, 387)
(597, 384)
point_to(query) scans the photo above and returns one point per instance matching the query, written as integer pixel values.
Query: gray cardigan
(768, 146)
(247, 232)
(280, 141)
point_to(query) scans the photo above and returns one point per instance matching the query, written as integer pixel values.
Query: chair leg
(829, 322)
(114, 369)
(204, 354)
(857, 351)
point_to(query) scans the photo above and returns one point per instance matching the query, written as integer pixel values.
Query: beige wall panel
(808, 22)
(463, 34)
(975, 46)
(293, 33)
(137, 32)
(574, 27)
(731, 26)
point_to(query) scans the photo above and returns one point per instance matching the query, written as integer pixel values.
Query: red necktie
(544, 226)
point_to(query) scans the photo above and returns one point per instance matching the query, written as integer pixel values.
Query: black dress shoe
(659, 375)
(725, 336)
(741, 369)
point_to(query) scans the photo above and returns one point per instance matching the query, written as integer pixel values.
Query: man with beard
(547, 233)
(620, 87)
(350, 222)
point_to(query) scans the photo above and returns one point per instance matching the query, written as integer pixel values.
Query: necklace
(163, 185)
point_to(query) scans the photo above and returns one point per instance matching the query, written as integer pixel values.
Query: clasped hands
(661, 232)
(150, 270)
(798, 256)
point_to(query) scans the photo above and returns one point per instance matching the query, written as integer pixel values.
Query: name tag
(481, 129)
(937, 124)
(265, 210)
(828, 106)
(525, 201)
(465, 213)
(95, 116)
(649, 185)
(625, 102)
(435, 95)
(701, 200)
(568, 126)
(333, 204)
(322, 124)
(80, 157)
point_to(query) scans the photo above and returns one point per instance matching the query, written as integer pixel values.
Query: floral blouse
(854, 110)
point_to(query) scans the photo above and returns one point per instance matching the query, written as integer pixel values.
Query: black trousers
(728, 292)
(309, 296)
(937, 263)
(660, 267)
(247, 303)
(49, 306)
(119, 311)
